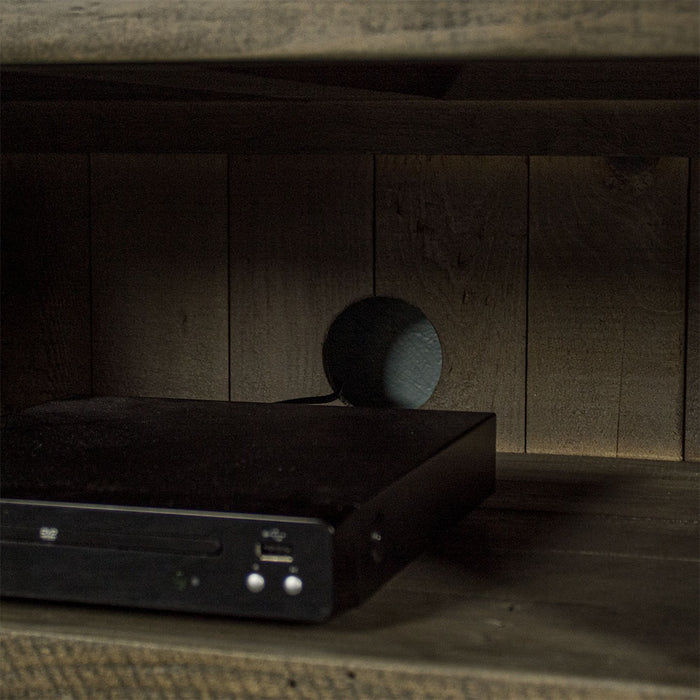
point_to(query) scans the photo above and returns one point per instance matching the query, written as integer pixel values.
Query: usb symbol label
(48, 534)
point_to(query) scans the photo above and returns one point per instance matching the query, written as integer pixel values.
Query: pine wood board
(631, 488)
(45, 278)
(242, 81)
(606, 306)
(301, 251)
(451, 238)
(540, 591)
(159, 275)
(49, 665)
(692, 359)
(470, 127)
(582, 78)
(476, 79)
(167, 30)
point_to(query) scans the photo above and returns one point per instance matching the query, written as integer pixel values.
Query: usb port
(270, 550)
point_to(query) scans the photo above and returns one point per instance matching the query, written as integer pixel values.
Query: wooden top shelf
(577, 578)
(104, 31)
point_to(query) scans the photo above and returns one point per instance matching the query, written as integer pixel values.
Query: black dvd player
(284, 511)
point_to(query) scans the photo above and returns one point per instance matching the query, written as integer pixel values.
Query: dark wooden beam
(510, 127)
(168, 30)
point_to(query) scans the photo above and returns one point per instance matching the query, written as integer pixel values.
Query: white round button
(292, 585)
(254, 583)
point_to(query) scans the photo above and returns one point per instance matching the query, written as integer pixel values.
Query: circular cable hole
(382, 351)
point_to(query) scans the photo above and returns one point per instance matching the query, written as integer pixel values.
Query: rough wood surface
(451, 237)
(476, 127)
(244, 80)
(578, 578)
(607, 306)
(692, 359)
(159, 270)
(589, 79)
(47, 666)
(35, 31)
(477, 79)
(301, 251)
(45, 278)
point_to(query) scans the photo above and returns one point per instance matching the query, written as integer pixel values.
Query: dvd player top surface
(305, 460)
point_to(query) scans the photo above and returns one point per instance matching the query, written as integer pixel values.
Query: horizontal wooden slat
(577, 579)
(545, 127)
(477, 79)
(228, 81)
(163, 30)
(629, 488)
(589, 79)
(48, 665)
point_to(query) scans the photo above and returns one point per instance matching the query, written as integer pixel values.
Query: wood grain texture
(476, 79)
(471, 127)
(164, 30)
(452, 239)
(692, 360)
(160, 294)
(577, 578)
(45, 278)
(579, 79)
(606, 309)
(46, 666)
(243, 81)
(301, 251)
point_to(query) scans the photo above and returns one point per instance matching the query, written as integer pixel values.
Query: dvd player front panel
(223, 563)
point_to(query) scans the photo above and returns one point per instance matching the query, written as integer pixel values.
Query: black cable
(327, 398)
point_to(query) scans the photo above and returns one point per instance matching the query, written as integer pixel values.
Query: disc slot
(50, 536)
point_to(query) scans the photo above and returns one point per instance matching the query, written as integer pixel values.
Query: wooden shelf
(163, 30)
(545, 127)
(577, 578)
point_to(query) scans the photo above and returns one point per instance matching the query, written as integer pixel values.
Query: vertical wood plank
(301, 251)
(606, 311)
(45, 278)
(160, 307)
(452, 239)
(692, 381)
